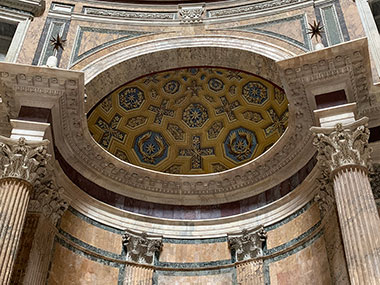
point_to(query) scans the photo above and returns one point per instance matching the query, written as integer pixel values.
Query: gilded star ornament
(57, 43)
(315, 30)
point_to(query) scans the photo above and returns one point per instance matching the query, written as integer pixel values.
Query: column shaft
(14, 198)
(360, 225)
(39, 259)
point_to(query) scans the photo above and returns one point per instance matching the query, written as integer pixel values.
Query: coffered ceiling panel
(192, 120)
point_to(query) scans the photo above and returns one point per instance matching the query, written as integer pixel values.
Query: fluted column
(343, 155)
(20, 163)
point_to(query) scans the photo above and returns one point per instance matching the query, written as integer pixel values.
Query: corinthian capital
(141, 248)
(47, 197)
(342, 145)
(22, 159)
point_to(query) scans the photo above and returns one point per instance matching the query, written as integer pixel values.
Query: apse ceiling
(190, 120)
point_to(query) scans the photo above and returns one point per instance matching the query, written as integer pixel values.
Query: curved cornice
(171, 228)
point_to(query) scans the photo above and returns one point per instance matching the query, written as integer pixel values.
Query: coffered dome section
(192, 120)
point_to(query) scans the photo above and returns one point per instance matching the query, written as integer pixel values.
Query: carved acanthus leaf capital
(22, 159)
(47, 197)
(141, 248)
(325, 195)
(343, 145)
(247, 244)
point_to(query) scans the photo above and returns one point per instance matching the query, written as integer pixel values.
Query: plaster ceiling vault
(191, 120)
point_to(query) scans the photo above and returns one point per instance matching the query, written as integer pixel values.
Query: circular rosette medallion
(215, 84)
(195, 115)
(240, 144)
(151, 147)
(172, 87)
(255, 92)
(131, 98)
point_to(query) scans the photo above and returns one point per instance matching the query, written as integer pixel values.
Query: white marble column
(21, 161)
(343, 154)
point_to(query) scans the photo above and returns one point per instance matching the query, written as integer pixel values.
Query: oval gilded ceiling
(191, 120)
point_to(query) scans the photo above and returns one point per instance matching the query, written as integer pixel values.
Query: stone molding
(248, 244)
(253, 8)
(23, 159)
(343, 146)
(128, 14)
(117, 218)
(141, 248)
(35, 7)
(218, 11)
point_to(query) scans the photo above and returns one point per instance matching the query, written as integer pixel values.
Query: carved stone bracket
(22, 159)
(343, 146)
(248, 244)
(141, 248)
(191, 14)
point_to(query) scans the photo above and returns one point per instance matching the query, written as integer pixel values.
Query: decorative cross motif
(110, 130)
(196, 152)
(227, 108)
(194, 88)
(161, 111)
(279, 123)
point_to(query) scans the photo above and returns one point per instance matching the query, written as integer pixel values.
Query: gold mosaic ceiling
(191, 120)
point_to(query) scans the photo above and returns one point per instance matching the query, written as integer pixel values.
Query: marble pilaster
(343, 153)
(138, 275)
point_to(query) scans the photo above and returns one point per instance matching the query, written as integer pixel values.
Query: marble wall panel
(307, 266)
(209, 279)
(202, 252)
(70, 268)
(294, 228)
(352, 19)
(90, 234)
(279, 28)
(32, 36)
